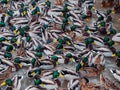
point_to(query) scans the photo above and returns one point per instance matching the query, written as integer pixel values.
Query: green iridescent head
(55, 58)
(17, 60)
(59, 46)
(37, 81)
(13, 40)
(2, 39)
(103, 23)
(58, 52)
(2, 24)
(60, 40)
(33, 61)
(83, 17)
(111, 43)
(84, 59)
(10, 13)
(86, 28)
(73, 27)
(48, 3)
(63, 26)
(65, 20)
(38, 54)
(68, 55)
(38, 71)
(12, 28)
(109, 11)
(113, 31)
(28, 38)
(100, 18)
(106, 39)
(118, 53)
(9, 82)
(33, 3)
(9, 48)
(38, 48)
(89, 41)
(55, 74)
(7, 55)
(78, 67)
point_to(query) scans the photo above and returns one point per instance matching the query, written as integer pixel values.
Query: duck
(74, 84)
(115, 73)
(19, 63)
(47, 84)
(50, 75)
(92, 71)
(44, 64)
(33, 72)
(85, 84)
(106, 51)
(69, 74)
(14, 83)
(107, 83)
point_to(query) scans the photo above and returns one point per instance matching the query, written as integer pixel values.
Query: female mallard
(115, 73)
(14, 83)
(47, 84)
(107, 83)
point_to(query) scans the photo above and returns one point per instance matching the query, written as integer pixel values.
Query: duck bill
(68, 43)
(57, 63)
(114, 55)
(81, 63)
(89, 31)
(60, 75)
(42, 85)
(20, 65)
(3, 84)
(33, 73)
(94, 43)
(71, 59)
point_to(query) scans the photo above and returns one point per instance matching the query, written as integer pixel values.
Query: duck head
(109, 11)
(89, 41)
(35, 11)
(5, 1)
(37, 82)
(55, 58)
(33, 61)
(38, 54)
(7, 55)
(10, 13)
(57, 74)
(33, 73)
(18, 62)
(48, 3)
(8, 82)
(33, 4)
(2, 24)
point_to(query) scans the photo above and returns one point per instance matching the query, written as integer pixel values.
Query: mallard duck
(69, 74)
(107, 83)
(14, 83)
(91, 71)
(105, 51)
(47, 84)
(45, 64)
(54, 74)
(73, 84)
(115, 73)
(86, 85)
(20, 62)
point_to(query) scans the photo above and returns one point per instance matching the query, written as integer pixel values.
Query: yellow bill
(60, 75)
(3, 84)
